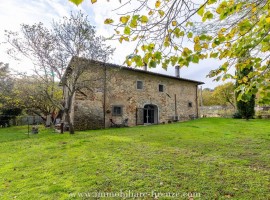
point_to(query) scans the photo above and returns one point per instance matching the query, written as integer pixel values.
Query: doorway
(150, 114)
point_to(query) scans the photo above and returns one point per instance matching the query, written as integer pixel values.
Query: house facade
(114, 93)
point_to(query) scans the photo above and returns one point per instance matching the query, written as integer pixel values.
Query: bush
(237, 115)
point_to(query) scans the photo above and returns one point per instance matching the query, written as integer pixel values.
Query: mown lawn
(214, 158)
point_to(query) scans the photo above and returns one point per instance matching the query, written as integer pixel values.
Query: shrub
(237, 115)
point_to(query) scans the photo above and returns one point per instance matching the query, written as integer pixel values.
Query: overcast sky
(15, 12)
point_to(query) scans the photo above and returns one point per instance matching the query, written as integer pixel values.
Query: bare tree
(52, 49)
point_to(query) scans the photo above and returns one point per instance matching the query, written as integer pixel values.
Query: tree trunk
(48, 121)
(71, 127)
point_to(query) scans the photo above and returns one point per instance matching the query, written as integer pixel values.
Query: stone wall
(120, 86)
(216, 111)
(88, 103)
(228, 111)
(121, 90)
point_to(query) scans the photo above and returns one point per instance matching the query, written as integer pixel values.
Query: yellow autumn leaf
(144, 47)
(205, 45)
(228, 44)
(123, 38)
(157, 4)
(161, 13)
(267, 19)
(133, 24)
(144, 19)
(186, 52)
(220, 34)
(166, 44)
(126, 39)
(108, 21)
(129, 62)
(174, 23)
(93, 1)
(218, 10)
(201, 11)
(197, 47)
(231, 2)
(196, 39)
(135, 38)
(213, 45)
(190, 35)
(203, 56)
(245, 79)
(151, 12)
(125, 19)
(223, 30)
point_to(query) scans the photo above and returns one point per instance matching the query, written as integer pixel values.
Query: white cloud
(16, 12)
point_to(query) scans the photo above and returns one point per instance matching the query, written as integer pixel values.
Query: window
(139, 85)
(161, 88)
(190, 104)
(117, 110)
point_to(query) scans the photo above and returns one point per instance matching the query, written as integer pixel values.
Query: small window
(190, 104)
(161, 88)
(117, 110)
(139, 85)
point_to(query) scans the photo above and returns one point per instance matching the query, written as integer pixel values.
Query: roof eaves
(64, 78)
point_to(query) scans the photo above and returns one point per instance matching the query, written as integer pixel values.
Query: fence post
(28, 126)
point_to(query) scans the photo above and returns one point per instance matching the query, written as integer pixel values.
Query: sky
(16, 12)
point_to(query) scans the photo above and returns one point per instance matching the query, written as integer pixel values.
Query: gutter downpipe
(197, 108)
(104, 95)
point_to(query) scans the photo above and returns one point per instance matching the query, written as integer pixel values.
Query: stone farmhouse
(114, 94)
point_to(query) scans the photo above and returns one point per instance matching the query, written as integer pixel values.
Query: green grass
(218, 158)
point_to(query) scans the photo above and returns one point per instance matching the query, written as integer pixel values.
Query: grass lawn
(214, 158)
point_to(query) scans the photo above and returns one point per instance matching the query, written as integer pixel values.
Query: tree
(6, 87)
(207, 98)
(224, 94)
(165, 30)
(9, 105)
(221, 95)
(18, 93)
(6, 82)
(3, 70)
(51, 50)
(245, 102)
(32, 94)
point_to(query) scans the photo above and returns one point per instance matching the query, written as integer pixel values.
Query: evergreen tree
(245, 105)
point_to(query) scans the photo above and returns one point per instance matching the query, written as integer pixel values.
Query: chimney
(145, 67)
(177, 71)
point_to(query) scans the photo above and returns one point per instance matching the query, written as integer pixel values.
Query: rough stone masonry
(114, 93)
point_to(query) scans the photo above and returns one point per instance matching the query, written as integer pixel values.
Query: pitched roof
(69, 69)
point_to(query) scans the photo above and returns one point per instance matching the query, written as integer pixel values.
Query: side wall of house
(121, 90)
(88, 104)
